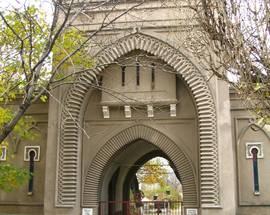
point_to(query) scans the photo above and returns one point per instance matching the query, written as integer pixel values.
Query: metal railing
(140, 208)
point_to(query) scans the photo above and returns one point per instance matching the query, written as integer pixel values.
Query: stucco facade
(87, 134)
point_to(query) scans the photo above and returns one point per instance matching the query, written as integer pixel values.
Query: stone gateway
(146, 96)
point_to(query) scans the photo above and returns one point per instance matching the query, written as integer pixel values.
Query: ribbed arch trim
(68, 153)
(94, 177)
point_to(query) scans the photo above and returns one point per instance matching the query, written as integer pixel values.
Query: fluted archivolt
(68, 156)
(93, 181)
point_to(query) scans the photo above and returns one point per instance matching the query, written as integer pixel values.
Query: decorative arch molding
(94, 177)
(245, 129)
(69, 141)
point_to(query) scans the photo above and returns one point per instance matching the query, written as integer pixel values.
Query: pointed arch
(93, 181)
(245, 129)
(69, 141)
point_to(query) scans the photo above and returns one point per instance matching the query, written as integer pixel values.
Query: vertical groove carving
(67, 175)
(96, 169)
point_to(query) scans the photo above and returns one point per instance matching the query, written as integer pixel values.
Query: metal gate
(140, 208)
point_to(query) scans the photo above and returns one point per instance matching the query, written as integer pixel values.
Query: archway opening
(141, 179)
(70, 141)
(157, 180)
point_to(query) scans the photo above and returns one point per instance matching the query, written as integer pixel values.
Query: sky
(44, 5)
(20, 3)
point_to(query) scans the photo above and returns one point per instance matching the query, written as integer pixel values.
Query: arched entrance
(70, 136)
(142, 186)
(139, 163)
(108, 153)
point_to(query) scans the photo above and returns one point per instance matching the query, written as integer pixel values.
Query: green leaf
(12, 177)
(258, 86)
(43, 98)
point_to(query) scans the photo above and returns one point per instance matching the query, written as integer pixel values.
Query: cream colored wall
(149, 15)
(54, 129)
(160, 23)
(181, 128)
(18, 201)
(245, 168)
(172, 26)
(244, 132)
(164, 86)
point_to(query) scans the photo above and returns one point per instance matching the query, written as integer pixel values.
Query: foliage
(68, 42)
(12, 177)
(28, 45)
(175, 195)
(24, 36)
(157, 178)
(22, 128)
(152, 172)
(37, 56)
(236, 39)
(22, 41)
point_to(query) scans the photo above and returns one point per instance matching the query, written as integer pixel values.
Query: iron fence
(140, 208)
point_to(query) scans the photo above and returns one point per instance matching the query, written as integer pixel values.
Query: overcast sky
(44, 5)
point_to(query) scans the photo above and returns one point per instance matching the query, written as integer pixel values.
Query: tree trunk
(7, 129)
